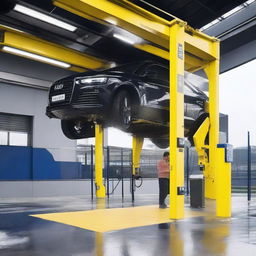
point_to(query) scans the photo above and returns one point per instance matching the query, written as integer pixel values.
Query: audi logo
(58, 86)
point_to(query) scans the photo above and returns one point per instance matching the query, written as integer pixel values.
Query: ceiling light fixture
(237, 9)
(250, 2)
(227, 14)
(43, 17)
(123, 38)
(35, 57)
(210, 24)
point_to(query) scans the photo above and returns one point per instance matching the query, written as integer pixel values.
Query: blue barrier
(15, 163)
(27, 163)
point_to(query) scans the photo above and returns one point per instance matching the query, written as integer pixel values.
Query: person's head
(166, 155)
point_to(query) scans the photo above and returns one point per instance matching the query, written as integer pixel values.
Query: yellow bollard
(223, 180)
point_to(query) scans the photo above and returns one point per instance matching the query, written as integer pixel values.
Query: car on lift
(133, 97)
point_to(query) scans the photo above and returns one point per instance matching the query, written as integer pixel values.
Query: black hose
(141, 181)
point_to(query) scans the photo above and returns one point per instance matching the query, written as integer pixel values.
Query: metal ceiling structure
(196, 12)
(97, 40)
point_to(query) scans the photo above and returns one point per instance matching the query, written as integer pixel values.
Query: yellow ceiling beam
(192, 63)
(199, 46)
(23, 41)
(139, 22)
(144, 24)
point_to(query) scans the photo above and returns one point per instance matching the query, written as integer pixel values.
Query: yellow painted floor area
(104, 220)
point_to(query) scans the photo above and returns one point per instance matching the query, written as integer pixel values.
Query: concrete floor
(23, 235)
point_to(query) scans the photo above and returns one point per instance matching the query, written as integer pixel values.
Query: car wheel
(161, 143)
(75, 130)
(122, 110)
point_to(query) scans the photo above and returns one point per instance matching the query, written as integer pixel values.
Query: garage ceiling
(97, 39)
(196, 12)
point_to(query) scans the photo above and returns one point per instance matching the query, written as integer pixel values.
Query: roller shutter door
(16, 123)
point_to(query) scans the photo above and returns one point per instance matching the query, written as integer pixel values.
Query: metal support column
(100, 188)
(249, 174)
(92, 171)
(212, 71)
(177, 120)
(187, 170)
(108, 169)
(122, 171)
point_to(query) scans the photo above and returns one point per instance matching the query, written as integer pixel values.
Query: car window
(155, 72)
(188, 90)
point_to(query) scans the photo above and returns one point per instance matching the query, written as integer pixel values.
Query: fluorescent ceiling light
(250, 2)
(227, 14)
(35, 57)
(210, 24)
(44, 17)
(123, 38)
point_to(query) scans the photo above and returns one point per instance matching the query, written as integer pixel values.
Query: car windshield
(128, 67)
(154, 71)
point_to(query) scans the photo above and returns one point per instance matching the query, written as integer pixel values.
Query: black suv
(133, 97)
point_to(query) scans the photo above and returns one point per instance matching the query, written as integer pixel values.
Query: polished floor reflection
(23, 235)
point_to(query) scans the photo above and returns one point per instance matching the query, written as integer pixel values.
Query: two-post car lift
(185, 49)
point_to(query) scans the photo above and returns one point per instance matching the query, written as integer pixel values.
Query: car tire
(122, 110)
(161, 143)
(74, 132)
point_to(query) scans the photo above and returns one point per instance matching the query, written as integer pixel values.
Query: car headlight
(92, 80)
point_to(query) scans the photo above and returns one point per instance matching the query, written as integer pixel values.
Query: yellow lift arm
(25, 42)
(137, 144)
(199, 140)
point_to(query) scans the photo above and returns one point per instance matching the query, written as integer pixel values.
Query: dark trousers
(163, 189)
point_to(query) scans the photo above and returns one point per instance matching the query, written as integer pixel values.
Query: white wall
(46, 132)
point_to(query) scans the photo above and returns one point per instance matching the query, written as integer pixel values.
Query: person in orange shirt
(163, 169)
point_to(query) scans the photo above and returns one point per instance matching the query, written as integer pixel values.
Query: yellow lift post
(212, 72)
(177, 120)
(185, 48)
(100, 188)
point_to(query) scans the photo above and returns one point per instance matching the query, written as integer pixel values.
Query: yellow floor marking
(104, 220)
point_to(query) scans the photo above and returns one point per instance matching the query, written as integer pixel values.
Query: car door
(156, 83)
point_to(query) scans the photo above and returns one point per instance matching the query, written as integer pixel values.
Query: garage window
(3, 138)
(15, 130)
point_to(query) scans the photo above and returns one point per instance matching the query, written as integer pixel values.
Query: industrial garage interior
(94, 95)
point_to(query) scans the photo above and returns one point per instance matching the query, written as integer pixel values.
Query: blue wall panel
(25, 163)
(44, 166)
(15, 163)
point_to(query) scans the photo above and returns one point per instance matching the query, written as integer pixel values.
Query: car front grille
(67, 90)
(88, 99)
